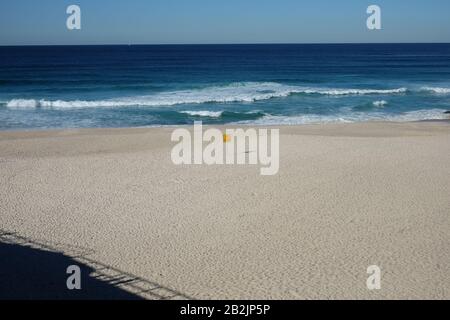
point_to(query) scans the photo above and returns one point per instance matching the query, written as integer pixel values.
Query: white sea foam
(22, 103)
(211, 114)
(59, 104)
(380, 103)
(431, 114)
(437, 90)
(341, 92)
(237, 92)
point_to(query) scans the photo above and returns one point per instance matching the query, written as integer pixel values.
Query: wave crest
(380, 103)
(417, 115)
(437, 90)
(210, 114)
(236, 92)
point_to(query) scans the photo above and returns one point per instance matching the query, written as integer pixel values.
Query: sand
(347, 196)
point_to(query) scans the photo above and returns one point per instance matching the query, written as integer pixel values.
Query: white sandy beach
(347, 196)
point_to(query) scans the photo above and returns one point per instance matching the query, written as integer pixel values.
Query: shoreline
(230, 125)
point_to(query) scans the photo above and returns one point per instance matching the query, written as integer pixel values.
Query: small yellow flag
(226, 138)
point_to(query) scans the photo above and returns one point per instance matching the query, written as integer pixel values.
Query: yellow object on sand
(226, 138)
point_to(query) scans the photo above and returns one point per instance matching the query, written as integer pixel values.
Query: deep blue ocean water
(123, 86)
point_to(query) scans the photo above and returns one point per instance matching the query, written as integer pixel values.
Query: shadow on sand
(31, 269)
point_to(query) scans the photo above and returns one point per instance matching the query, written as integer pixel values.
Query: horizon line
(215, 44)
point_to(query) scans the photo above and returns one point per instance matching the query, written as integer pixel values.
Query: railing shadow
(35, 269)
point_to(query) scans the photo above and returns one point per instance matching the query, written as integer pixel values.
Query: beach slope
(347, 196)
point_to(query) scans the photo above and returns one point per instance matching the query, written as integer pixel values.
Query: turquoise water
(123, 86)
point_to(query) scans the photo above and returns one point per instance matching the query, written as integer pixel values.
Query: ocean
(44, 87)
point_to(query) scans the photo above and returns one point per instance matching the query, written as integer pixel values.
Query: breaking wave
(437, 90)
(236, 92)
(418, 115)
(380, 103)
(210, 114)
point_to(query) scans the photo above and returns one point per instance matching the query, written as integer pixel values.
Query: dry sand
(346, 197)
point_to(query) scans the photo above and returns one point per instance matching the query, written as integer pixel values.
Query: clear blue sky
(30, 22)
